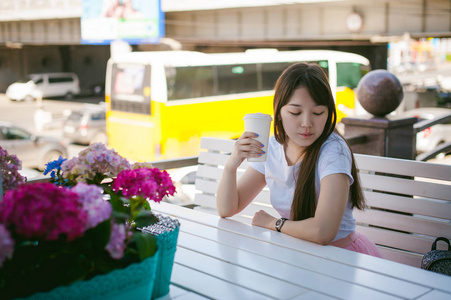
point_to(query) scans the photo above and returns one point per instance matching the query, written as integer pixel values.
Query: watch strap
(280, 223)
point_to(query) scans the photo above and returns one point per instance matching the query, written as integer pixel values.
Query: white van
(44, 85)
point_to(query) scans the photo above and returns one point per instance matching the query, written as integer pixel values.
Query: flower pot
(133, 282)
(166, 232)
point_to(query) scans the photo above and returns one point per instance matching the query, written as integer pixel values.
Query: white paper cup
(260, 124)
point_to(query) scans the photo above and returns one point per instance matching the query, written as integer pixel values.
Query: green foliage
(146, 244)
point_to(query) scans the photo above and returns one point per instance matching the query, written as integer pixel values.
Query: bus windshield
(131, 92)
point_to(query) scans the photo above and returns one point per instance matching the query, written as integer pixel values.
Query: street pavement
(42, 118)
(29, 115)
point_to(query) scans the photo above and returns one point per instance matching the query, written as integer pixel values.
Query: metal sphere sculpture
(379, 92)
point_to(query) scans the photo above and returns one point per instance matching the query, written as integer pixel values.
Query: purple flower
(9, 168)
(91, 197)
(116, 245)
(6, 245)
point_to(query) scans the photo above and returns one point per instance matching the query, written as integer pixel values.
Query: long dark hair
(314, 79)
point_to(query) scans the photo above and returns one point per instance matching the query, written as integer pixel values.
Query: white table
(225, 259)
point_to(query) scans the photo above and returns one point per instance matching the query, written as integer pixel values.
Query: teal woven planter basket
(133, 282)
(166, 232)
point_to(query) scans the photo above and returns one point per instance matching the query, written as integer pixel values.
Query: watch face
(279, 222)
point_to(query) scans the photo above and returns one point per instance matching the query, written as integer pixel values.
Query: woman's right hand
(246, 146)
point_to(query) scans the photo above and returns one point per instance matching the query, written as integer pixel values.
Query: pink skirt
(359, 243)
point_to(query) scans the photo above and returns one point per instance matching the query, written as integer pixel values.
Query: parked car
(44, 85)
(435, 135)
(86, 126)
(34, 151)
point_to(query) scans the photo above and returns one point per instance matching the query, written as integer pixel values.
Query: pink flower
(6, 245)
(149, 183)
(116, 245)
(43, 211)
(91, 197)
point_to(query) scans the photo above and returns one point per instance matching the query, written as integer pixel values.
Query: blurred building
(45, 35)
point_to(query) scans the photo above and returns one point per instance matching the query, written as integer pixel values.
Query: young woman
(310, 169)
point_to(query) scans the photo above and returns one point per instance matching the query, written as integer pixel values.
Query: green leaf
(98, 178)
(146, 205)
(120, 217)
(145, 218)
(136, 205)
(99, 235)
(105, 264)
(146, 244)
(133, 207)
(117, 201)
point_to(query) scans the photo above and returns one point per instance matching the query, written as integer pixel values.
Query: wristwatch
(280, 223)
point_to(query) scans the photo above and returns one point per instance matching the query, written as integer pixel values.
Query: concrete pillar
(390, 136)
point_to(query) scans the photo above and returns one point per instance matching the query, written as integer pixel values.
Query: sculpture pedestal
(390, 136)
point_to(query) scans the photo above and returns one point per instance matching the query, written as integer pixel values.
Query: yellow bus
(160, 103)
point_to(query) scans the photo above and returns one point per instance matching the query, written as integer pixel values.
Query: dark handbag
(438, 261)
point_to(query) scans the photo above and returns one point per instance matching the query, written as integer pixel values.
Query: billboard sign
(133, 21)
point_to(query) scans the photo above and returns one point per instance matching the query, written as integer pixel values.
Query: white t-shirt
(334, 157)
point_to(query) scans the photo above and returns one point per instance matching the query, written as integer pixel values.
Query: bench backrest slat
(205, 171)
(403, 166)
(213, 158)
(416, 243)
(405, 186)
(209, 188)
(408, 258)
(401, 222)
(260, 202)
(418, 205)
(409, 202)
(215, 144)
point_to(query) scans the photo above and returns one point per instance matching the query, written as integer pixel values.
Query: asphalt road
(43, 118)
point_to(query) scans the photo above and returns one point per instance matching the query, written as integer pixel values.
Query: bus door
(130, 124)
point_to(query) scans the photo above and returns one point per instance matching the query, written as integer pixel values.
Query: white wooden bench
(409, 202)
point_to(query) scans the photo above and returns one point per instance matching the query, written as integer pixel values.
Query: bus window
(349, 74)
(234, 79)
(130, 90)
(270, 72)
(189, 82)
(323, 64)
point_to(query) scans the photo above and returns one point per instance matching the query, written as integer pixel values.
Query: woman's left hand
(263, 219)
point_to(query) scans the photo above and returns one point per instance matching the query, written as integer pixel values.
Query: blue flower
(54, 165)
